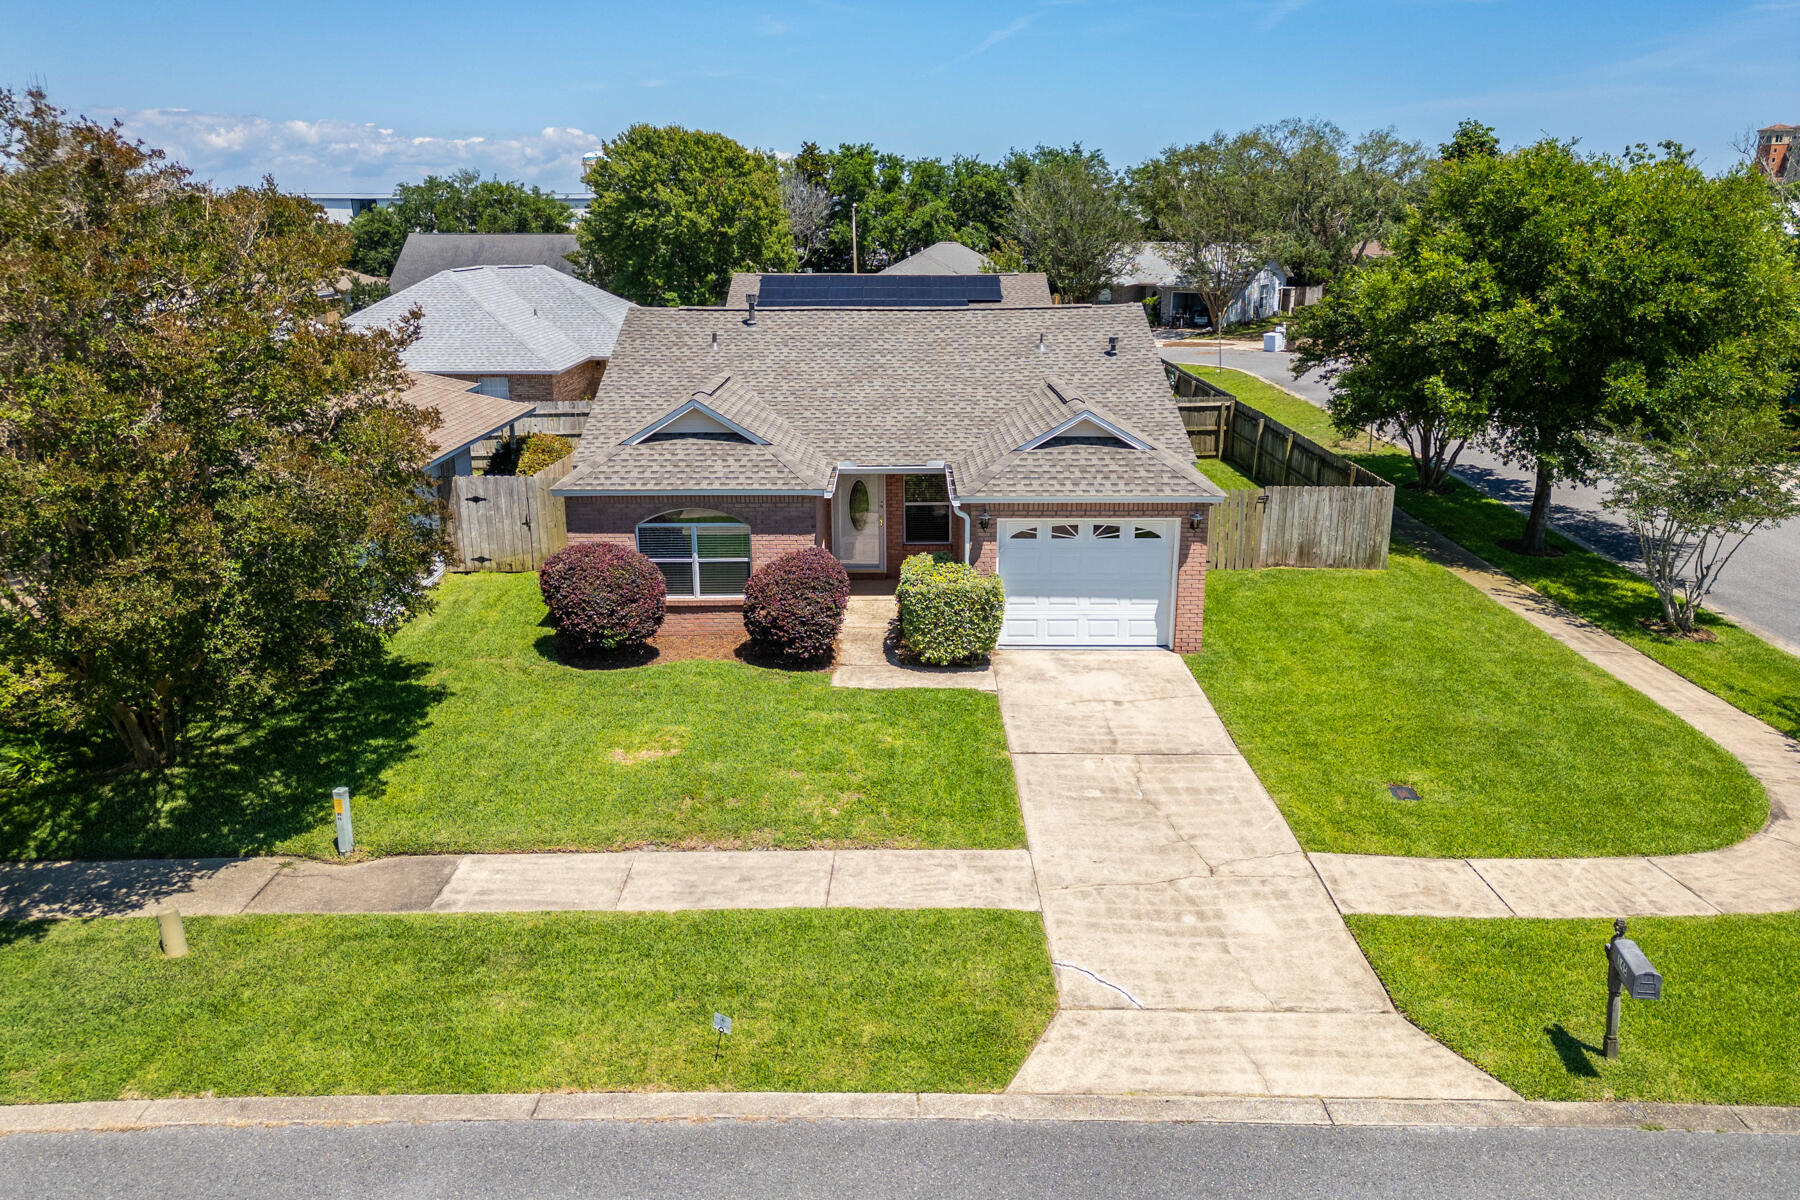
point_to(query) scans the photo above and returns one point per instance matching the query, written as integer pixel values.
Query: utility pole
(855, 268)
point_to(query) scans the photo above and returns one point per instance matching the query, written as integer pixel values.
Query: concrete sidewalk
(1759, 874)
(1196, 951)
(628, 881)
(864, 659)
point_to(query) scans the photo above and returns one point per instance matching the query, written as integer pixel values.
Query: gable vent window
(698, 435)
(1087, 440)
(698, 551)
(927, 518)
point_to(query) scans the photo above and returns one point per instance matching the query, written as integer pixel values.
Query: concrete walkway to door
(1196, 950)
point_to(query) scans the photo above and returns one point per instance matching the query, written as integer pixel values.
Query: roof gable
(425, 254)
(502, 320)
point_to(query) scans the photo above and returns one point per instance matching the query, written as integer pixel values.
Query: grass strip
(1525, 1000)
(821, 1000)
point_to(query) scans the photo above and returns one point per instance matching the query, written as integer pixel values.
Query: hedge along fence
(505, 522)
(1316, 508)
(949, 612)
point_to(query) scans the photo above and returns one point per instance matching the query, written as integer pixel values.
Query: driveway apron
(1196, 950)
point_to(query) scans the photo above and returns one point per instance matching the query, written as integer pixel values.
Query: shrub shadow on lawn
(669, 648)
(241, 788)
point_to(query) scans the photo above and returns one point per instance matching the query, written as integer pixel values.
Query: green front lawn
(1739, 667)
(821, 1000)
(473, 737)
(1336, 684)
(1526, 1002)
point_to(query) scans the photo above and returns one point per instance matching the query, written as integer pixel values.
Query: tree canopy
(676, 211)
(1556, 295)
(460, 203)
(209, 490)
(1069, 221)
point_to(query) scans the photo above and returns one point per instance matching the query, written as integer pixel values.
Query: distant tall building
(1774, 152)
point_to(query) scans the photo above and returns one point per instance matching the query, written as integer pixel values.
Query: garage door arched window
(699, 552)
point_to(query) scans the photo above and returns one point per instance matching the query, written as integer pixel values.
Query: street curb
(132, 1115)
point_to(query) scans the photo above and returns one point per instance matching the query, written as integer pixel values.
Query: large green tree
(1070, 219)
(210, 494)
(462, 202)
(1336, 199)
(1220, 202)
(676, 211)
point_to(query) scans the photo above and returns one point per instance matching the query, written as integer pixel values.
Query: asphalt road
(1760, 586)
(543, 1160)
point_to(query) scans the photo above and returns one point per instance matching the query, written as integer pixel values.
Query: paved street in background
(547, 1160)
(1760, 587)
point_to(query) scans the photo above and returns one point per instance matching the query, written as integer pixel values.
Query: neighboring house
(1012, 290)
(940, 258)
(465, 417)
(341, 207)
(1775, 152)
(1152, 272)
(1040, 443)
(530, 334)
(425, 254)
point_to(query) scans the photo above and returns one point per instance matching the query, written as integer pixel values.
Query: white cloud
(328, 155)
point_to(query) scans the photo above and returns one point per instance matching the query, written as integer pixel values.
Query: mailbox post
(1628, 972)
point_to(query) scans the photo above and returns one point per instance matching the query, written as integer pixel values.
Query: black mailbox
(1640, 980)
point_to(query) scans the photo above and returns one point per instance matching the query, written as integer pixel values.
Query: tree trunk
(1537, 524)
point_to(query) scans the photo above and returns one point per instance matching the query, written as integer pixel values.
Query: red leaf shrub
(602, 597)
(794, 606)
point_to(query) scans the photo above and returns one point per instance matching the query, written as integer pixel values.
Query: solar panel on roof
(877, 291)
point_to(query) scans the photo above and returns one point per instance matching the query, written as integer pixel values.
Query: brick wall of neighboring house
(572, 386)
(1190, 568)
(778, 525)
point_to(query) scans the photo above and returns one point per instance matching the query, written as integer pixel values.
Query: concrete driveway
(1196, 950)
(1757, 589)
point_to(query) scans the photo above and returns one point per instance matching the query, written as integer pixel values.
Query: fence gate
(506, 522)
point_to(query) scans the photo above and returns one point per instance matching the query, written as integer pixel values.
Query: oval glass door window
(859, 505)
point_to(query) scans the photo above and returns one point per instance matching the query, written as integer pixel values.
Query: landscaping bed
(475, 737)
(1336, 684)
(1525, 1000)
(841, 1001)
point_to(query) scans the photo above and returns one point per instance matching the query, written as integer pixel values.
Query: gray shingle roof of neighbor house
(465, 416)
(1028, 289)
(885, 388)
(425, 254)
(940, 258)
(502, 321)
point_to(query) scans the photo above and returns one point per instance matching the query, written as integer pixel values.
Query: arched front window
(700, 552)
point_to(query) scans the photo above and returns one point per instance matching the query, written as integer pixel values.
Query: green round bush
(949, 612)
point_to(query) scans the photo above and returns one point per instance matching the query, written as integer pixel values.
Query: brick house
(525, 333)
(1036, 442)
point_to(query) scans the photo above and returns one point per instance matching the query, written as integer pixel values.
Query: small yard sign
(721, 1026)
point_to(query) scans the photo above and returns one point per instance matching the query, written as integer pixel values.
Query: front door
(859, 512)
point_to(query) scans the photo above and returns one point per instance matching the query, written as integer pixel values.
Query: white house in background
(340, 207)
(1151, 271)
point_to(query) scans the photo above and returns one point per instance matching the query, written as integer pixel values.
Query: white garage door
(1087, 583)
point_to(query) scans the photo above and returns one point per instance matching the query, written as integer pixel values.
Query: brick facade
(572, 386)
(1190, 563)
(778, 525)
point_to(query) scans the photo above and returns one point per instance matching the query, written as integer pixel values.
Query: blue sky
(329, 96)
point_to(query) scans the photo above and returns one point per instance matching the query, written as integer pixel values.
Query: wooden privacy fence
(1316, 508)
(506, 522)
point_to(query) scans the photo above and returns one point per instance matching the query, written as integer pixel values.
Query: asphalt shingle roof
(890, 387)
(425, 254)
(502, 321)
(940, 258)
(465, 416)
